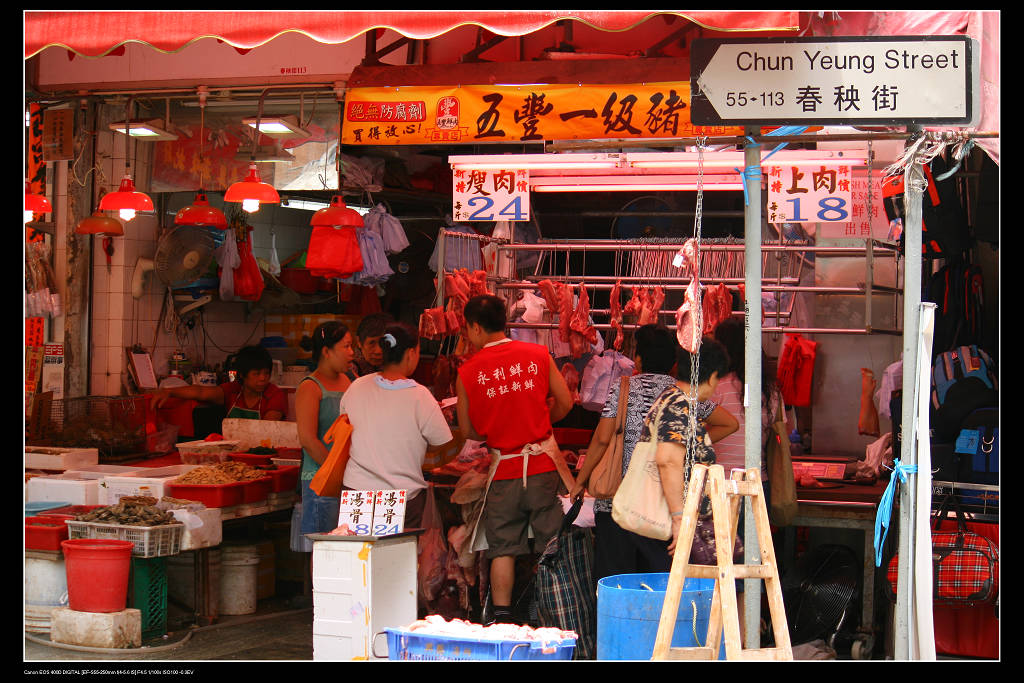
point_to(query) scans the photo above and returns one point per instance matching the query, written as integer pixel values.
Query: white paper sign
(490, 195)
(809, 194)
(389, 512)
(356, 511)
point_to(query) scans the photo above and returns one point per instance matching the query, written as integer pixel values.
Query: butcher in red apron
(251, 396)
(509, 393)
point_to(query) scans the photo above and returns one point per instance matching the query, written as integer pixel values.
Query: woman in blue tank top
(317, 405)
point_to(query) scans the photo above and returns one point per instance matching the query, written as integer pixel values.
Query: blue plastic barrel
(629, 610)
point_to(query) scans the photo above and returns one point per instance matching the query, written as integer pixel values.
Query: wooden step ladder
(725, 506)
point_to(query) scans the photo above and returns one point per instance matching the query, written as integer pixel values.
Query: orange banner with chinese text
(419, 115)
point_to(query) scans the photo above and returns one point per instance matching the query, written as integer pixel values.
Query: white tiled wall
(119, 320)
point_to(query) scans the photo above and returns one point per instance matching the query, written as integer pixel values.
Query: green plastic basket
(148, 594)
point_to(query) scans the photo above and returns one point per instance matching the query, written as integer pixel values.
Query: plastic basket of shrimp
(458, 640)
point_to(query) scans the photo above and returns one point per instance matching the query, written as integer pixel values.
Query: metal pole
(752, 372)
(913, 186)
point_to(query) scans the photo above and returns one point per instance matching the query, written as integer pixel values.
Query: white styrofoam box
(251, 433)
(359, 589)
(101, 471)
(63, 487)
(59, 458)
(113, 488)
(286, 462)
(203, 528)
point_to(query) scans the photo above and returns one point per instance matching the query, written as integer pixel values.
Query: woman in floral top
(616, 550)
(670, 415)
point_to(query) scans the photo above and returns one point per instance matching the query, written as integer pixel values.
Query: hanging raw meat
(689, 325)
(558, 299)
(868, 420)
(580, 319)
(476, 281)
(572, 379)
(547, 291)
(636, 302)
(686, 257)
(716, 306)
(651, 306)
(433, 324)
(615, 304)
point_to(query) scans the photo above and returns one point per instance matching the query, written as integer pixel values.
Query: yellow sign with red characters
(422, 115)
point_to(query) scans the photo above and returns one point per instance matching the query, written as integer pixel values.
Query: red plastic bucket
(97, 571)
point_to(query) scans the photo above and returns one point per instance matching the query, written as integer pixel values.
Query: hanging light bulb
(200, 212)
(126, 201)
(251, 191)
(35, 203)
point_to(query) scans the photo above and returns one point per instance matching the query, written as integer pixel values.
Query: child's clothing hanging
(387, 227)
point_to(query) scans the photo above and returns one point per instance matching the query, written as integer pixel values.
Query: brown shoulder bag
(607, 474)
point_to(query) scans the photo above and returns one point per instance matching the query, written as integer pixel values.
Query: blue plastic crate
(404, 645)
(35, 507)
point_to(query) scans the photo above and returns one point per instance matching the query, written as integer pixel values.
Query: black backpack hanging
(944, 232)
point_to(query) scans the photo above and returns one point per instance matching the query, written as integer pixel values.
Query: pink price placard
(809, 194)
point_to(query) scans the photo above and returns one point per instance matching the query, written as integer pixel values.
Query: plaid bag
(564, 584)
(965, 564)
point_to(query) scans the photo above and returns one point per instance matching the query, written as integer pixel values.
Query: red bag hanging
(333, 252)
(248, 277)
(796, 370)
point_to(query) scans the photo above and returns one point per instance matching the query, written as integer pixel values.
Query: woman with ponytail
(394, 421)
(317, 406)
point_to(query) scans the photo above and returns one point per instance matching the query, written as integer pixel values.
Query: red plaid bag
(965, 568)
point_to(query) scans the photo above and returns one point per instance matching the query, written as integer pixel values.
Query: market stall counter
(842, 505)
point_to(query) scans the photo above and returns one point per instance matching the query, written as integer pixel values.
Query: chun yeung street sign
(878, 80)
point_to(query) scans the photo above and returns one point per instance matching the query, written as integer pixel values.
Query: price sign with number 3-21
(809, 194)
(490, 195)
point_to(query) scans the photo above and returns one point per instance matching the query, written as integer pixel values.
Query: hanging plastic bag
(432, 551)
(248, 277)
(227, 258)
(333, 252)
(388, 228)
(275, 264)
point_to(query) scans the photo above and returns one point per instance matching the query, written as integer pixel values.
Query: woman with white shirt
(394, 421)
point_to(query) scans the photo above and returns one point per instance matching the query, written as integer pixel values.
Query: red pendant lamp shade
(35, 203)
(98, 224)
(201, 213)
(126, 199)
(337, 215)
(252, 191)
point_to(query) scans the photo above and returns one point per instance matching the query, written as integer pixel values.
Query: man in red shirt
(509, 394)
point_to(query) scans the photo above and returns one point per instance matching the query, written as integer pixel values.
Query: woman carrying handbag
(617, 550)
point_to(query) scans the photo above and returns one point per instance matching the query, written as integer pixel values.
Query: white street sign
(837, 80)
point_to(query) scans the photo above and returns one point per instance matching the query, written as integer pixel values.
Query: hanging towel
(275, 264)
(228, 259)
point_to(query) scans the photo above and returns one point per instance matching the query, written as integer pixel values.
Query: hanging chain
(695, 357)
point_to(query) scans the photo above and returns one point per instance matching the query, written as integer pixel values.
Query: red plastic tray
(252, 459)
(288, 452)
(210, 495)
(284, 478)
(256, 490)
(69, 511)
(45, 533)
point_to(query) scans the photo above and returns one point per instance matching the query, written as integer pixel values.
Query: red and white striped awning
(96, 33)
